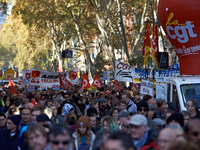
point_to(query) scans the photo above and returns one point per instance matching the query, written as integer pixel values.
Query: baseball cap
(138, 120)
(123, 113)
(42, 118)
(34, 103)
(101, 100)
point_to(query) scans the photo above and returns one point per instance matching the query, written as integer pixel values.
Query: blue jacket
(7, 142)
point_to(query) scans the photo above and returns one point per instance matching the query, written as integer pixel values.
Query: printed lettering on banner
(30, 88)
(124, 72)
(47, 78)
(56, 87)
(147, 87)
(43, 87)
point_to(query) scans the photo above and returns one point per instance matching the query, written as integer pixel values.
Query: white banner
(146, 88)
(47, 78)
(124, 72)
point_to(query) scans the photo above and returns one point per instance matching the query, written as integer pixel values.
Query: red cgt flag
(85, 83)
(117, 85)
(146, 44)
(96, 83)
(12, 84)
(64, 83)
(155, 49)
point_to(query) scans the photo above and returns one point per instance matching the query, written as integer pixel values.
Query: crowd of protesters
(103, 119)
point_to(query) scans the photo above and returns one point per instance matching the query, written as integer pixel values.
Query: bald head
(30, 106)
(165, 138)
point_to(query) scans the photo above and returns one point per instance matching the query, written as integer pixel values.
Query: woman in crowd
(83, 137)
(115, 113)
(109, 123)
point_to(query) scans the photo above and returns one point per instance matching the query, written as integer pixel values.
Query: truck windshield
(190, 91)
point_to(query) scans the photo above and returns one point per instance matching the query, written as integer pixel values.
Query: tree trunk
(141, 27)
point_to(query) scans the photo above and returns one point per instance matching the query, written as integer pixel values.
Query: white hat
(138, 120)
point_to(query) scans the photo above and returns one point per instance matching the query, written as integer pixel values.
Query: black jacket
(7, 142)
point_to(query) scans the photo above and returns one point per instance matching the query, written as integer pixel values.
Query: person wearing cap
(141, 136)
(44, 120)
(124, 118)
(83, 137)
(103, 107)
(58, 103)
(143, 109)
(10, 137)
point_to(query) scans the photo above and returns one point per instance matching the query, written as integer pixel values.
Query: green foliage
(100, 63)
(137, 61)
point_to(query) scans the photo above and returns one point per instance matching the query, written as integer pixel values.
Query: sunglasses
(142, 109)
(58, 142)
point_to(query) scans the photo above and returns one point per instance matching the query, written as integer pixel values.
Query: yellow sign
(9, 74)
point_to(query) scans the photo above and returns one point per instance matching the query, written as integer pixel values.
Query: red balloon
(180, 20)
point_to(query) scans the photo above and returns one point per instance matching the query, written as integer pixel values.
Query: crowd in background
(102, 119)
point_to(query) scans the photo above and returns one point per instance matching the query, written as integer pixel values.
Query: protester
(58, 103)
(141, 136)
(161, 109)
(101, 136)
(25, 118)
(192, 131)
(71, 121)
(83, 137)
(119, 141)
(166, 137)
(10, 137)
(130, 105)
(36, 137)
(109, 123)
(192, 108)
(176, 118)
(60, 138)
(186, 116)
(124, 118)
(115, 113)
(2, 121)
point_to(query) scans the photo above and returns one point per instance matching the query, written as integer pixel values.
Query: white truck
(178, 90)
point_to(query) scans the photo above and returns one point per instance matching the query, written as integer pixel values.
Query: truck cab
(178, 90)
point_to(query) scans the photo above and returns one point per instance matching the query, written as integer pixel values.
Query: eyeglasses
(142, 109)
(58, 142)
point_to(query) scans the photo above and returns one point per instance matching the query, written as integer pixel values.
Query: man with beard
(25, 118)
(36, 137)
(124, 118)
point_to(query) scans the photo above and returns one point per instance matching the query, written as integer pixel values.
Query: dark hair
(122, 102)
(147, 97)
(114, 110)
(161, 102)
(126, 140)
(187, 126)
(99, 139)
(71, 118)
(2, 114)
(37, 108)
(60, 129)
(194, 104)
